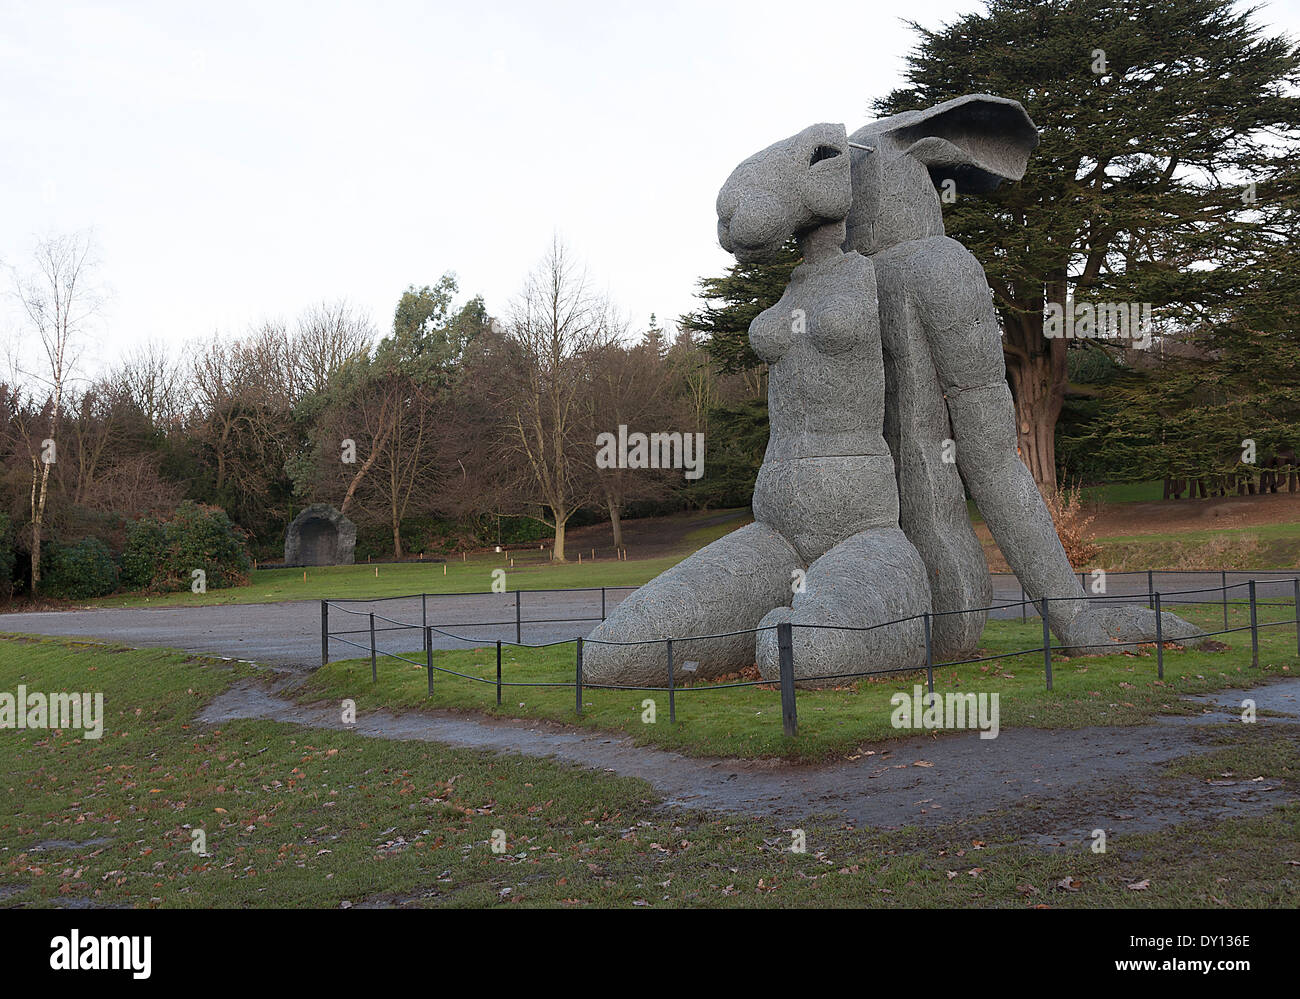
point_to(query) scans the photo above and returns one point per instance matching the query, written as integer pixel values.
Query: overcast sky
(237, 161)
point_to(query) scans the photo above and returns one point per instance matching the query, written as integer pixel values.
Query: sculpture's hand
(1095, 630)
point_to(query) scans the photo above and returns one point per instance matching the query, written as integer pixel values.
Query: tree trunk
(38, 517)
(616, 522)
(558, 552)
(1037, 374)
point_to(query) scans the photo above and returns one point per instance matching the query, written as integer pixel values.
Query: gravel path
(916, 781)
(1063, 772)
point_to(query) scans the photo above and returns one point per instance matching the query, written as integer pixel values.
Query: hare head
(790, 187)
(968, 145)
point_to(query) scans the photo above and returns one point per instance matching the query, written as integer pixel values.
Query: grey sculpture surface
(825, 548)
(886, 389)
(949, 411)
(320, 535)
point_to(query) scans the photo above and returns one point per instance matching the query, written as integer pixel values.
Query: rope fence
(787, 678)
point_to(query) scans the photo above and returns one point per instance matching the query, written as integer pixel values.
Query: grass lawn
(1105, 492)
(746, 721)
(1233, 548)
(400, 579)
(1244, 548)
(296, 817)
(1124, 492)
(532, 570)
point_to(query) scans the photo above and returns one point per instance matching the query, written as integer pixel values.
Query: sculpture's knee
(859, 612)
(725, 587)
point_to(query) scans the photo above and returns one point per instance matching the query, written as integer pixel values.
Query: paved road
(288, 634)
(1174, 587)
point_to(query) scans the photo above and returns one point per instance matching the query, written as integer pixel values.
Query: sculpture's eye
(823, 153)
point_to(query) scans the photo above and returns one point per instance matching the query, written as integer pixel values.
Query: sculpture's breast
(831, 309)
(838, 324)
(772, 333)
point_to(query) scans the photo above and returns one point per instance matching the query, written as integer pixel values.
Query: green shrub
(145, 551)
(203, 537)
(163, 554)
(520, 530)
(436, 537)
(79, 571)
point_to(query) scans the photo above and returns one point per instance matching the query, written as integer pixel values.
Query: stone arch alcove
(320, 535)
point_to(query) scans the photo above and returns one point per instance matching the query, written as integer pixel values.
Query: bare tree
(154, 383)
(328, 336)
(243, 396)
(215, 379)
(694, 372)
(630, 388)
(412, 457)
(560, 325)
(57, 301)
(94, 434)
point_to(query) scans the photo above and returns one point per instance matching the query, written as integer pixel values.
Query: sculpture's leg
(965, 342)
(932, 501)
(869, 579)
(725, 587)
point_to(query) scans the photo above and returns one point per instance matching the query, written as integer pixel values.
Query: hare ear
(977, 140)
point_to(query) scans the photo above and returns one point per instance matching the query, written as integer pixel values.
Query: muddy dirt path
(916, 781)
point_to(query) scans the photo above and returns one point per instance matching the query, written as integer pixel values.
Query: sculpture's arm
(965, 343)
(961, 325)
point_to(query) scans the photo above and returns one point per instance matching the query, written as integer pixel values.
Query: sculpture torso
(827, 473)
(821, 342)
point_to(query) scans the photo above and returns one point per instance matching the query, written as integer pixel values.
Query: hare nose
(758, 220)
(724, 236)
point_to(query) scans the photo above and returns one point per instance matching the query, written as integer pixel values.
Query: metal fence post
(1296, 584)
(428, 656)
(1022, 603)
(578, 678)
(672, 690)
(1254, 629)
(1160, 642)
(424, 611)
(785, 658)
(498, 672)
(374, 670)
(1047, 644)
(1223, 581)
(602, 603)
(519, 635)
(929, 658)
(1151, 589)
(324, 632)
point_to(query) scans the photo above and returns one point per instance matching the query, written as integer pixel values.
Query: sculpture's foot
(1096, 630)
(725, 587)
(871, 578)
